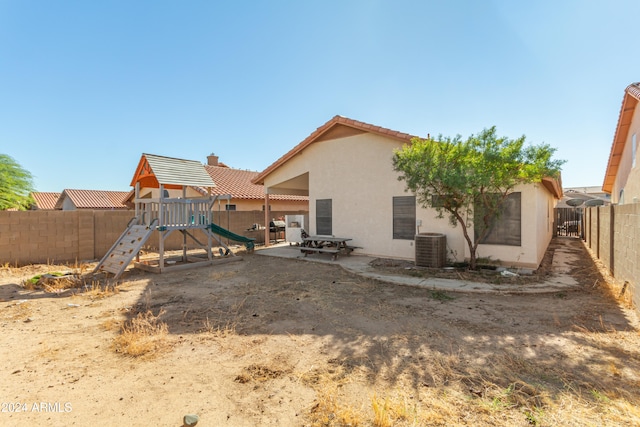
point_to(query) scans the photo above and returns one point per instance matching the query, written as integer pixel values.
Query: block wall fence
(612, 233)
(33, 237)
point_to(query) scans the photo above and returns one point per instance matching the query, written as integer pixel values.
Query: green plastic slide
(223, 232)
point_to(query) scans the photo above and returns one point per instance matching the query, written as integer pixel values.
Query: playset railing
(175, 213)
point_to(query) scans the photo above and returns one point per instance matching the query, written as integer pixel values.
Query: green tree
(469, 180)
(15, 184)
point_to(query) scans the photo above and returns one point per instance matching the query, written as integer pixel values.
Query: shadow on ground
(545, 344)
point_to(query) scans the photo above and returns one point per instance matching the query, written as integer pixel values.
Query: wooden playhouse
(159, 212)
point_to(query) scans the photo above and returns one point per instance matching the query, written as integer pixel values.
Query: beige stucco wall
(537, 230)
(628, 177)
(357, 174)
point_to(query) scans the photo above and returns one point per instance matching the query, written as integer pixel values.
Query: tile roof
(154, 170)
(94, 199)
(339, 127)
(627, 110)
(324, 132)
(238, 183)
(45, 200)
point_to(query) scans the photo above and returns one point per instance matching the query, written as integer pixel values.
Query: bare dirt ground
(281, 342)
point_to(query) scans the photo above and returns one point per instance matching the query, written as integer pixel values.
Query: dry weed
(330, 410)
(6, 269)
(111, 324)
(225, 322)
(219, 329)
(439, 406)
(259, 373)
(389, 412)
(143, 335)
(509, 390)
(55, 282)
(97, 290)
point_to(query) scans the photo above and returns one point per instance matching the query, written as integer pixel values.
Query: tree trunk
(472, 247)
(472, 257)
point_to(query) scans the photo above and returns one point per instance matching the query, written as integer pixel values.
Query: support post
(136, 194)
(184, 235)
(598, 232)
(209, 222)
(139, 215)
(612, 238)
(266, 220)
(161, 224)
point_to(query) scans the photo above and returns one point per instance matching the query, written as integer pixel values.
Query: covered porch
(294, 186)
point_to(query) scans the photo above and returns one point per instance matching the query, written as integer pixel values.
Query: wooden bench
(334, 252)
(328, 250)
(307, 251)
(326, 244)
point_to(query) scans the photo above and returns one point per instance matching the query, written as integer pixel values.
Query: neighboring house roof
(45, 200)
(153, 171)
(238, 183)
(592, 190)
(337, 127)
(627, 110)
(94, 199)
(570, 194)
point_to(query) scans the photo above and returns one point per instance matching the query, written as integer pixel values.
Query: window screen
(506, 229)
(404, 217)
(323, 217)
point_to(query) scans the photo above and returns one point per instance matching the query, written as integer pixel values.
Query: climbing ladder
(123, 251)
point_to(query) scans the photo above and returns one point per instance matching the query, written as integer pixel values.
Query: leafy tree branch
(469, 180)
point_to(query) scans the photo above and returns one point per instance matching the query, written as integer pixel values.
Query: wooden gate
(568, 222)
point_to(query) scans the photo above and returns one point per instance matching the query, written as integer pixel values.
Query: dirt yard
(278, 342)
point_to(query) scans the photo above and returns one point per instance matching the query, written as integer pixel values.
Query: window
(263, 208)
(323, 217)
(404, 217)
(230, 207)
(506, 229)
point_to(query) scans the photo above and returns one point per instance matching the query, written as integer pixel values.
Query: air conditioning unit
(431, 250)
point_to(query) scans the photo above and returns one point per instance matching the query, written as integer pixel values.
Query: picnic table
(326, 244)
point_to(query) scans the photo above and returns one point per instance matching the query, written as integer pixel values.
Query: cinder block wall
(107, 227)
(619, 226)
(67, 236)
(626, 265)
(604, 239)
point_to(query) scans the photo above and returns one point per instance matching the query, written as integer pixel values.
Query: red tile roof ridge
(94, 199)
(238, 183)
(367, 127)
(633, 91)
(45, 199)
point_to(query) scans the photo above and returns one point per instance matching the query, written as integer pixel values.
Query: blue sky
(86, 87)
